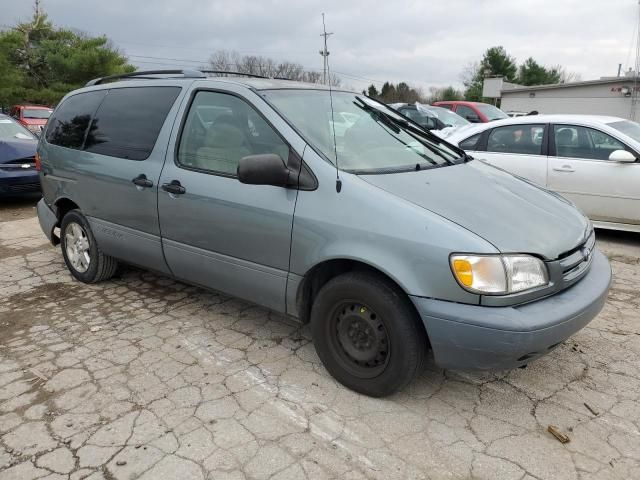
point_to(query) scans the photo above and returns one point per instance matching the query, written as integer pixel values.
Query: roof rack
(185, 73)
(142, 73)
(227, 72)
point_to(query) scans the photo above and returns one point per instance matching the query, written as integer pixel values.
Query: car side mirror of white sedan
(622, 156)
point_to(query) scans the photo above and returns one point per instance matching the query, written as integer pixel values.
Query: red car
(475, 112)
(34, 117)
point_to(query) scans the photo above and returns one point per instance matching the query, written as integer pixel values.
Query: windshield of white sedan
(368, 136)
(630, 129)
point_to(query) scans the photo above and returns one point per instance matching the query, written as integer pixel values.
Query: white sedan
(592, 160)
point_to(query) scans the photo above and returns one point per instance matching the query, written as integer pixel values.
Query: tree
(372, 91)
(532, 73)
(230, 61)
(40, 63)
(442, 94)
(472, 81)
(496, 61)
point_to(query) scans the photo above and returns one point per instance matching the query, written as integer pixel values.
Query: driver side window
(220, 129)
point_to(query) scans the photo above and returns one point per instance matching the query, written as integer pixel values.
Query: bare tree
(231, 61)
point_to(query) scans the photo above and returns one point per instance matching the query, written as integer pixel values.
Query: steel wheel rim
(359, 339)
(77, 247)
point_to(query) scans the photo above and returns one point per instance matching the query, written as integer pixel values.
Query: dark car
(18, 173)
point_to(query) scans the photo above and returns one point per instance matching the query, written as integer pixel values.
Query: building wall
(602, 99)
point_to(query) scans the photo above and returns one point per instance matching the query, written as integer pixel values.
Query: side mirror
(622, 156)
(473, 118)
(266, 169)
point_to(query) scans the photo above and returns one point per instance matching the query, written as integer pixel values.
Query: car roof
(460, 102)
(38, 107)
(254, 83)
(594, 120)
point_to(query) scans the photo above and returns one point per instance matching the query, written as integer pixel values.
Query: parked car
(386, 240)
(33, 117)
(18, 173)
(591, 160)
(474, 112)
(430, 117)
(514, 113)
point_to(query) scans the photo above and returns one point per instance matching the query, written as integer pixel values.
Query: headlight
(498, 274)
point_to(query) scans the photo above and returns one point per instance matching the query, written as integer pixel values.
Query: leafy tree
(40, 63)
(496, 61)
(532, 73)
(446, 93)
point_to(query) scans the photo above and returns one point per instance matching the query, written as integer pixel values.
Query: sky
(425, 43)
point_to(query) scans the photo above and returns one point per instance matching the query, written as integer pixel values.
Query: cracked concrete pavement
(145, 377)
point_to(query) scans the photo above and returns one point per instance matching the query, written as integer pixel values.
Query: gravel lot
(145, 377)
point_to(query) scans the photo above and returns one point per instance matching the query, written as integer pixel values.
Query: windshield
(36, 113)
(447, 117)
(630, 129)
(369, 137)
(491, 112)
(10, 130)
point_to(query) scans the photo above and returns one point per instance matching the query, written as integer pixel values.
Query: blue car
(18, 174)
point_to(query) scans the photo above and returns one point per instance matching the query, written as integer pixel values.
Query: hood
(16, 149)
(513, 215)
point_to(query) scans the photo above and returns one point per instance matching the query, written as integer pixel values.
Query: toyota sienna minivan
(387, 240)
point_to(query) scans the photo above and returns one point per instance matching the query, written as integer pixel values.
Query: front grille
(21, 164)
(573, 265)
(577, 263)
(24, 188)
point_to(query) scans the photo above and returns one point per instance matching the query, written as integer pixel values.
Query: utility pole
(324, 52)
(634, 93)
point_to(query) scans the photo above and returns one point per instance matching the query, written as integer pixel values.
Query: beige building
(607, 96)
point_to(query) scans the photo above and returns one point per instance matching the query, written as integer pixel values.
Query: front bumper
(479, 337)
(48, 221)
(19, 183)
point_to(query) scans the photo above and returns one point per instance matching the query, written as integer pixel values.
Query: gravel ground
(145, 377)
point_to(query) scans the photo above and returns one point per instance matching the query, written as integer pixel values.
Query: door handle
(142, 181)
(564, 168)
(174, 187)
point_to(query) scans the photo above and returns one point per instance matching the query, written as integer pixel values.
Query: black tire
(354, 316)
(98, 266)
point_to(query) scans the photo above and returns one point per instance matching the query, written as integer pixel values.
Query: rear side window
(470, 143)
(524, 139)
(68, 125)
(129, 120)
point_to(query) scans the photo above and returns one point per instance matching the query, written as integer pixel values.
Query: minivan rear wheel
(367, 333)
(80, 251)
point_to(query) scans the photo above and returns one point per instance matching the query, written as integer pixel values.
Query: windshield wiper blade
(408, 126)
(378, 115)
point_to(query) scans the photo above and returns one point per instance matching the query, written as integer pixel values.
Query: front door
(216, 231)
(580, 170)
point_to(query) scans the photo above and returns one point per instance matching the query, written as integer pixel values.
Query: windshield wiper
(378, 115)
(407, 125)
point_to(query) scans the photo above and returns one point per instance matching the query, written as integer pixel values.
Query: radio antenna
(327, 81)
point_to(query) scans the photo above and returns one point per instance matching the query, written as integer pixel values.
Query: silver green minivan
(389, 241)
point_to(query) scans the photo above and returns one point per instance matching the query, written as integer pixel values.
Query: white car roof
(588, 120)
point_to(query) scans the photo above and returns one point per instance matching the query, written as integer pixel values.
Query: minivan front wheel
(81, 253)
(366, 333)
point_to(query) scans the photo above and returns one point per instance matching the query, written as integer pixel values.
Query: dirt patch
(18, 208)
